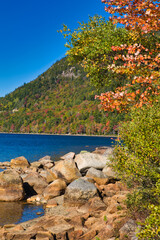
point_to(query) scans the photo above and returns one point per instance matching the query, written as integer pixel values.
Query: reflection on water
(31, 212)
(10, 212)
(16, 212)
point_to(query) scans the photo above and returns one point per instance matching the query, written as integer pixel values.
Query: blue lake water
(36, 146)
(33, 147)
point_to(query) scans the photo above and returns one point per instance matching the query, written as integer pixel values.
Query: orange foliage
(140, 15)
(140, 64)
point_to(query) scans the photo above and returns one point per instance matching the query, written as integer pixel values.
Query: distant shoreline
(51, 134)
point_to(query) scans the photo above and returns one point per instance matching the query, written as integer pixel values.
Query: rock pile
(82, 196)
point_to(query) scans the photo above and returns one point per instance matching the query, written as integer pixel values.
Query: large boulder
(98, 176)
(67, 170)
(11, 186)
(79, 191)
(34, 184)
(87, 160)
(20, 162)
(54, 189)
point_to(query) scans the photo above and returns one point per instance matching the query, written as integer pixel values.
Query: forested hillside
(59, 101)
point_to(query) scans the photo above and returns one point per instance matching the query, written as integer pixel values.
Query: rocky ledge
(82, 196)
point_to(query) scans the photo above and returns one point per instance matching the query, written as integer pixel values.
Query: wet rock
(80, 191)
(20, 162)
(87, 160)
(11, 186)
(67, 170)
(54, 189)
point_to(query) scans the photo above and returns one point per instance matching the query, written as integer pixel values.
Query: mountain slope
(61, 100)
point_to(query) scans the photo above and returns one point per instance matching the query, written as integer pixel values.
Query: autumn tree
(137, 156)
(126, 61)
(140, 61)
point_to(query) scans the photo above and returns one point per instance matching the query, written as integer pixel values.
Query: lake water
(34, 147)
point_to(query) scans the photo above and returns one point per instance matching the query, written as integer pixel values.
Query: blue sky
(29, 41)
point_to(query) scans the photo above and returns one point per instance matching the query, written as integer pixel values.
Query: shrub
(136, 159)
(151, 227)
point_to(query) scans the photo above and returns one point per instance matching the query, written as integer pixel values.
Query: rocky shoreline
(82, 196)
